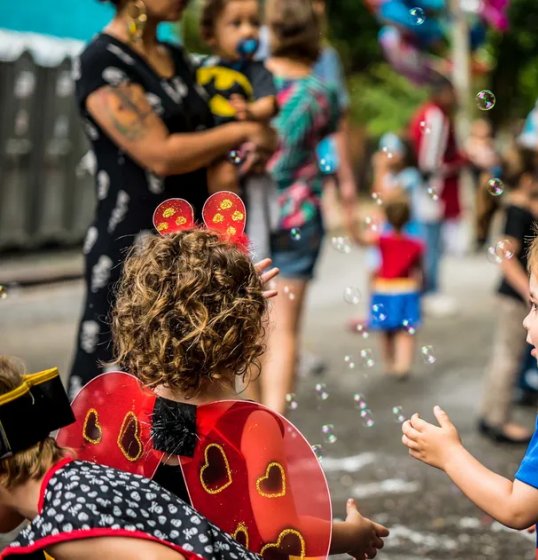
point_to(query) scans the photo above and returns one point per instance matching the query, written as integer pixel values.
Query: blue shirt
(528, 470)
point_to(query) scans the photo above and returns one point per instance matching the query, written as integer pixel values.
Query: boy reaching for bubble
(512, 503)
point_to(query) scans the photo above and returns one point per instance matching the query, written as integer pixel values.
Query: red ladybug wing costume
(249, 471)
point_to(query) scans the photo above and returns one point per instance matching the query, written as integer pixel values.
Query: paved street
(428, 517)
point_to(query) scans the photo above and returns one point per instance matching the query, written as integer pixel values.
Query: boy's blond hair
(190, 310)
(31, 463)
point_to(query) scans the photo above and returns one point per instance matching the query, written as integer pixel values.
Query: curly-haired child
(512, 503)
(189, 320)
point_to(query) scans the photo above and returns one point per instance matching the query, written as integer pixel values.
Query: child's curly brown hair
(190, 310)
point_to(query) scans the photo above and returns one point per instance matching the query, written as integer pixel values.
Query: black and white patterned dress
(81, 500)
(127, 194)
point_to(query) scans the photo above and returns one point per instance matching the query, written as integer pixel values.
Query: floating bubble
(425, 127)
(409, 327)
(236, 157)
(341, 244)
(327, 165)
(289, 293)
(417, 15)
(387, 152)
(377, 198)
(362, 329)
(378, 312)
(360, 401)
(504, 249)
(328, 433)
(295, 234)
(349, 361)
(495, 187)
(371, 223)
(352, 295)
(432, 193)
(397, 413)
(485, 100)
(367, 417)
(321, 391)
(291, 401)
(319, 452)
(428, 355)
(367, 358)
(492, 256)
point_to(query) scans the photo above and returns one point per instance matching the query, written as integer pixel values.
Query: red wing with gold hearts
(254, 475)
(113, 424)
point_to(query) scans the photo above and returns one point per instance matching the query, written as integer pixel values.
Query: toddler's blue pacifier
(247, 48)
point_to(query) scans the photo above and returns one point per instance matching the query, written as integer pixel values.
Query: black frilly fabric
(174, 427)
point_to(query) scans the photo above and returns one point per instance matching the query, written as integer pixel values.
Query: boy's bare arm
(513, 504)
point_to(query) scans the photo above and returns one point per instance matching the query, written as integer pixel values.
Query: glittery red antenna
(224, 213)
(173, 215)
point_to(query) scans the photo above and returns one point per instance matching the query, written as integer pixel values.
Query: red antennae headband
(223, 212)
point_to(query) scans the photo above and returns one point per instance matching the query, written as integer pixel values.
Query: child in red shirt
(395, 300)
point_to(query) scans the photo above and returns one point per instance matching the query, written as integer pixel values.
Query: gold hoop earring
(137, 18)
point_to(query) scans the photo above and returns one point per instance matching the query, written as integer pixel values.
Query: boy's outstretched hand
(429, 443)
(365, 536)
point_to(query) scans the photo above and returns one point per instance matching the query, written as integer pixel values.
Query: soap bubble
(378, 312)
(236, 157)
(352, 295)
(417, 15)
(367, 358)
(349, 361)
(504, 249)
(485, 100)
(291, 401)
(428, 355)
(495, 187)
(432, 193)
(328, 433)
(409, 327)
(319, 452)
(397, 413)
(341, 244)
(359, 401)
(371, 223)
(295, 234)
(327, 165)
(425, 127)
(377, 198)
(321, 391)
(362, 329)
(367, 417)
(287, 291)
(387, 152)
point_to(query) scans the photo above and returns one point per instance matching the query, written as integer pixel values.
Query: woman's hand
(429, 443)
(263, 136)
(364, 536)
(267, 275)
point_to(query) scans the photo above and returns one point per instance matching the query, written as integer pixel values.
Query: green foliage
(382, 100)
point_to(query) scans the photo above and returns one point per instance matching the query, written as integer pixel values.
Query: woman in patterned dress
(309, 111)
(153, 138)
